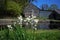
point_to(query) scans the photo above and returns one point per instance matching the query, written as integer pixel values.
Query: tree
(16, 5)
(11, 5)
(53, 7)
(44, 6)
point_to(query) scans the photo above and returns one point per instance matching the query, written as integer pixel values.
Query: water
(43, 25)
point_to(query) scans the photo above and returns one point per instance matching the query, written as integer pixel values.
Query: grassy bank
(23, 34)
(44, 34)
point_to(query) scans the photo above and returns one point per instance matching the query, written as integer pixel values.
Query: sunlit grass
(45, 34)
(19, 33)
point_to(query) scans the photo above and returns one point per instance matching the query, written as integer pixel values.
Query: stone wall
(31, 9)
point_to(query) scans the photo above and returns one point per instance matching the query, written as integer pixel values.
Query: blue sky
(38, 3)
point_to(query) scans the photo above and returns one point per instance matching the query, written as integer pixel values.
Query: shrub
(15, 7)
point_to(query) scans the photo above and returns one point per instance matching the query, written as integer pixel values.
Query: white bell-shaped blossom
(36, 20)
(35, 28)
(20, 19)
(29, 16)
(9, 26)
(25, 20)
(35, 25)
(33, 16)
(28, 19)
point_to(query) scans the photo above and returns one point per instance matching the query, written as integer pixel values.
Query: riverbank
(30, 34)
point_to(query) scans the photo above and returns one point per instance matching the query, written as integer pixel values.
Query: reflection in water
(43, 25)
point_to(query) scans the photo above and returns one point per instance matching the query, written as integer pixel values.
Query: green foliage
(44, 35)
(11, 5)
(53, 7)
(19, 33)
(16, 6)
